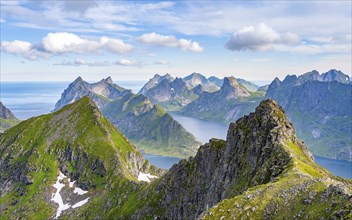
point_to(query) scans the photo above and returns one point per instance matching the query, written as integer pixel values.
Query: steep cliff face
(148, 127)
(261, 152)
(7, 118)
(76, 141)
(229, 103)
(317, 105)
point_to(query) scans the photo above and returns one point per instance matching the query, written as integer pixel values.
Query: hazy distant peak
(109, 80)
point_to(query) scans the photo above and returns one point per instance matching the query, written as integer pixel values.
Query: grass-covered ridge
(78, 141)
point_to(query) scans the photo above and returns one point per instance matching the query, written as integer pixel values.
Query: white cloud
(68, 42)
(115, 45)
(126, 62)
(80, 62)
(161, 62)
(2, 20)
(170, 41)
(26, 49)
(63, 42)
(260, 37)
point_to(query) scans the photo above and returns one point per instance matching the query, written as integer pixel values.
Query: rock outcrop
(261, 152)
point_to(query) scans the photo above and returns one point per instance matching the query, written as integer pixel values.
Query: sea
(29, 99)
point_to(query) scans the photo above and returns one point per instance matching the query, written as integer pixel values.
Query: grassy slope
(7, 123)
(37, 146)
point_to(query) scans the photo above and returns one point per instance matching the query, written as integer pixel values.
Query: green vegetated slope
(157, 132)
(147, 126)
(76, 140)
(260, 171)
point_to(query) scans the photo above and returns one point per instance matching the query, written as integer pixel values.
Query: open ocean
(28, 99)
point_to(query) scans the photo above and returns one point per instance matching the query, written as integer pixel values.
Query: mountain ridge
(150, 129)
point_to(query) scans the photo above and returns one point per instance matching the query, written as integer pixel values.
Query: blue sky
(254, 40)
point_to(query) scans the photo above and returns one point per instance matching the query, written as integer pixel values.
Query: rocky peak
(290, 80)
(195, 79)
(256, 151)
(336, 75)
(5, 113)
(232, 89)
(108, 80)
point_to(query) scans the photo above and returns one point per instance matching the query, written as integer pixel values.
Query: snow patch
(57, 197)
(70, 184)
(79, 191)
(80, 203)
(145, 177)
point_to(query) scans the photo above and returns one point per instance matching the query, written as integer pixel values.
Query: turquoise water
(28, 99)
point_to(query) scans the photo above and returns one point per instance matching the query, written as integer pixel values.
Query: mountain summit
(75, 145)
(147, 126)
(261, 171)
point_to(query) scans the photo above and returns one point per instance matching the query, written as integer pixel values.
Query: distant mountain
(7, 118)
(174, 94)
(196, 79)
(101, 92)
(249, 85)
(216, 80)
(74, 164)
(320, 108)
(171, 94)
(232, 101)
(150, 128)
(154, 81)
(76, 145)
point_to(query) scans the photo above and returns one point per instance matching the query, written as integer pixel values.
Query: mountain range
(320, 108)
(232, 101)
(7, 118)
(175, 93)
(317, 104)
(146, 125)
(74, 164)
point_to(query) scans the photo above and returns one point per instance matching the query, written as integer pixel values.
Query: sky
(133, 40)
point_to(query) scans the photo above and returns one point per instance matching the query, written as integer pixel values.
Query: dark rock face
(252, 154)
(5, 113)
(317, 106)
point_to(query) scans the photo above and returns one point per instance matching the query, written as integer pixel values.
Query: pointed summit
(5, 113)
(78, 80)
(109, 80)
(231, 89)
